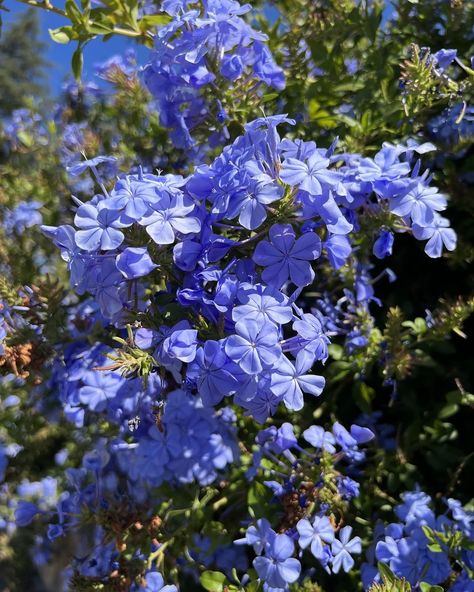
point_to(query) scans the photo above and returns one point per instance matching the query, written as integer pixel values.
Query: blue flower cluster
(423, 547)
(23, 215)
(234, 245)
(197, 54)
(312, 495)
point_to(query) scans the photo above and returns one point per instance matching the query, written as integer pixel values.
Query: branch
(46, 5)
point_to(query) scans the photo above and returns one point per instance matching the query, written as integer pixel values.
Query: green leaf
(153, 20)
(448, 411)
(429, 534)
(61, 35)
(77, 62)
(98, 28)
(386, 572)
(213, 581)
(269, 97)
(424, 587)
(73, 12)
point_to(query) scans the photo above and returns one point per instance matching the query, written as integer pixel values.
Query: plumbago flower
(210, 277)
(196, 55)
(239, 284)
(423, 547)
(311, 493)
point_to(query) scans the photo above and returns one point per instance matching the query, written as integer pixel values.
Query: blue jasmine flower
(170, 215)
(186, 254)
(348, 488)
(261, 304)
(80, 167)
(349, 441)
(25, 512)
(286, 258)
(232, 67)
(310, 176)
(24, 215)
(266, 68)
(135, 262)
(278, 568)
(154, 583)
(133, 196)
(252, 205)
(181, 344)
(419, 203)
(311, 344)
(261, 406)
(107, 294)
(98, 228)
(415, 508)
(285, 438)
(319, 438)
(383, 245)
(444, 58)
(338, 248)
(216, 374)
(343, 548)
(438, 233)
(254, 347)
(406, 561)
(464, 519)
(291, 381)
(315, 534)
(385, 166)
(259, 536)
(55, 531)
(98, 389)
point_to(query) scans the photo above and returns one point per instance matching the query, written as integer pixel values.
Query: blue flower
(133, 196)
(154, 583)
(438, 233)
(319, 438)
(80, 167)
(278, 568)
(24, 215)
(444, 58)
(286, 258)
(343, 548)
(291, 381)
(170, 215)
(135, 262)
(216, 374)
(25, 512)
(259, 536)
(252, 204)
(383, 245)
(420, 203)
(309, 176)
(315, 534)
(181, 344)
(262, 304)
(415, 508)
(254, 347)
(99, 228)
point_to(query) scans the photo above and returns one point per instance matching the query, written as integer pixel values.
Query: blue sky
(59, 56)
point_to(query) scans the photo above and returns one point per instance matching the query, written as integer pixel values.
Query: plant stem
(50, 8)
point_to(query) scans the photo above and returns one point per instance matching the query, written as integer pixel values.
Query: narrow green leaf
(77, 62)
(386, 572)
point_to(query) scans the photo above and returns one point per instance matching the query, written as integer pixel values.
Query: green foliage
(390, 582)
